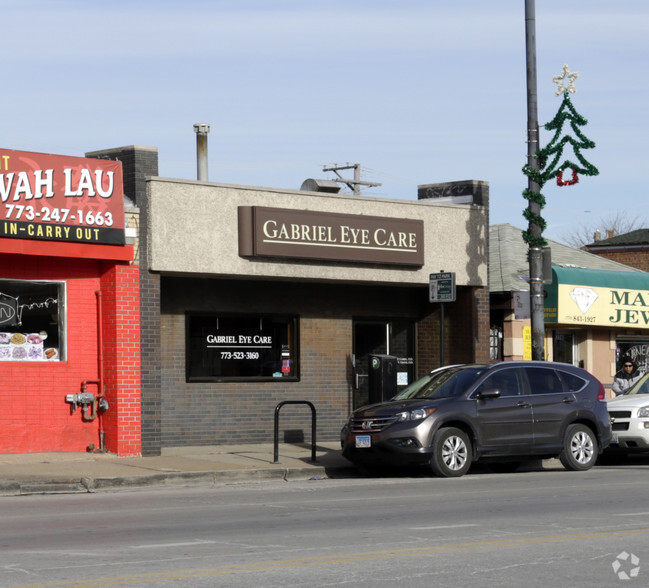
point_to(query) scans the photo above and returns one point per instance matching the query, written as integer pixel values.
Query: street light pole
(535, 253)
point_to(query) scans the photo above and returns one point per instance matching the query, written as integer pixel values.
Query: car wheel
(579, 449)
(451, 453)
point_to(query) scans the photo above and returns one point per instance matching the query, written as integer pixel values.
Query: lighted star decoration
(571, 76)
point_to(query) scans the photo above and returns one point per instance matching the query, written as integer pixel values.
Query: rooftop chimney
(464, 192)
(201, 130)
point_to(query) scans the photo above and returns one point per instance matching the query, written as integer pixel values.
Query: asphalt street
(534, 528)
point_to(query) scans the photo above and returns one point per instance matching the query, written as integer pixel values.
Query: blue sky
(416, 91)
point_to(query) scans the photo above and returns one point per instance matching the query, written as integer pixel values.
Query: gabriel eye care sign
(305, 234)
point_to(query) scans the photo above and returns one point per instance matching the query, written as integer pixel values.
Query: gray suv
(503, 413)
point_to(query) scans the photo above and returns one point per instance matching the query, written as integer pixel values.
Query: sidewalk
(49, 473)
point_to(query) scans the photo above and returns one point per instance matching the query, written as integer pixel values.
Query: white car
(630, 419)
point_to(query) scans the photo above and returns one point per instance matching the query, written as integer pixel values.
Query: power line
(355, 184)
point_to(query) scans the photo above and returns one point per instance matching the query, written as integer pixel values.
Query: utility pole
(535, 252)
(355, 184)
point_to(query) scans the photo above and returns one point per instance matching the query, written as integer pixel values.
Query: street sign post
(442, 289)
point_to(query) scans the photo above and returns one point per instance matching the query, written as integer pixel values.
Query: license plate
(614, 439)
(363, 441)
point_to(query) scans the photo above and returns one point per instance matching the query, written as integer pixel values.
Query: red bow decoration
(570, 182)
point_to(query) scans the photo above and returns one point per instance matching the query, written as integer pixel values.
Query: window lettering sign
(60, 198)
(241, 347)
(8, 310)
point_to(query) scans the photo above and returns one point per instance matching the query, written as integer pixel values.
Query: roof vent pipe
(201, 130)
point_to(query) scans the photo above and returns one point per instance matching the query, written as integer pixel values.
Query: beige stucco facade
(192, 231)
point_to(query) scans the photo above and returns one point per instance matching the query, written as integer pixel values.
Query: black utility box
(382, 377)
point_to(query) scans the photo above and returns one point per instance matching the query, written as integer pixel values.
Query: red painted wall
(120, 287)
(34, 416)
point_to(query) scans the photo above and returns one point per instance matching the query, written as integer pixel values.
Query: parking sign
(442, 287)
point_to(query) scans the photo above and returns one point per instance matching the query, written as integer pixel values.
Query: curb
(87, 485)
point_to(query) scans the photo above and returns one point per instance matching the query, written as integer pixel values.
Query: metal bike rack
(313, 427)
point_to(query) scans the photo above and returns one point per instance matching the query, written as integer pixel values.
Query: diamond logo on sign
(584, 298)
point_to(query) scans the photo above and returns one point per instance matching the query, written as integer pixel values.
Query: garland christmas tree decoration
(553, 152)
(555, 148)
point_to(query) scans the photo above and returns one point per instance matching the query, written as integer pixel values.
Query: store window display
(30, 320)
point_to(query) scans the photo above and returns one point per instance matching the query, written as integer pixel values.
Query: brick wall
(121, 327)
(637, 259)
(204, 413)
(466, 331)
(138, 163)
(481, 324)
(34, 416)
(231, 413)
(150, 352)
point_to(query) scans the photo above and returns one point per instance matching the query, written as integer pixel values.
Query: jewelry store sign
(598, 306)
(304, 234)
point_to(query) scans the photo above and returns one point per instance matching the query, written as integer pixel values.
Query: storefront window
(31, 320)
(241, 347)
(636, 350)
(563, 345)
(495, 343)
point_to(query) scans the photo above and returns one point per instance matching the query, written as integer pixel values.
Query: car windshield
(642, 387)
(445, 383)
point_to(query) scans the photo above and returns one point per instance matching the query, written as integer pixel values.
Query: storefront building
(596, 313)
(252, 297)
(630, 248)
(616, 301)
(69, 308)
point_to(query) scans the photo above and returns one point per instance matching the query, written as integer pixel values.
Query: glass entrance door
(563, 344)
(382, 337)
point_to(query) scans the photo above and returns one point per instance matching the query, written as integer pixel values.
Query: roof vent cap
(312, 185)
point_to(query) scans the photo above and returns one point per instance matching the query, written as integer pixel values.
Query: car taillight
(601, 395)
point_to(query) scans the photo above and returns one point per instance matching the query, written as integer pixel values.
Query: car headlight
(414, 415)
(644, 412)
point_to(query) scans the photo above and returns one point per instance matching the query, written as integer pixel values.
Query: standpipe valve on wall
(83, 399)
(90, 404)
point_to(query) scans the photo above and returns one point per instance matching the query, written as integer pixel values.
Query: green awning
(597, 297)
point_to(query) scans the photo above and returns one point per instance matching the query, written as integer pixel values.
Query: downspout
(100, 344)
(93, 411)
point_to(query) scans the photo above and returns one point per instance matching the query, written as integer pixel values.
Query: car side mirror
(488, 393)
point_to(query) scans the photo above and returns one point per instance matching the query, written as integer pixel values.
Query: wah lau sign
(60, 198)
